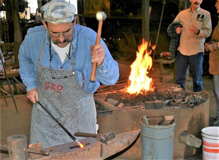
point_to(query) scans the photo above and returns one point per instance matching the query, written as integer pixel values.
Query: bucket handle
(158, 138)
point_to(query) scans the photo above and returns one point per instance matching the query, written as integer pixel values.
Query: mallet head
(101, 16)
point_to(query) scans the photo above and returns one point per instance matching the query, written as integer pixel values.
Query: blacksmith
(55, 65)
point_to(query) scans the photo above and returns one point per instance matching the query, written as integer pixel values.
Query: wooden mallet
(100, 16)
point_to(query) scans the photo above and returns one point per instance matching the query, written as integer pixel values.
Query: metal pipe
(20, 84)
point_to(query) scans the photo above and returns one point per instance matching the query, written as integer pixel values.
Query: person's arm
(27, 66)
(178, 28)
(108, 72)
(174, 29)
(212, 46)
(206, 29)
(177, 18)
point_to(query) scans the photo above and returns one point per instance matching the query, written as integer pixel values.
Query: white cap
(58, 11)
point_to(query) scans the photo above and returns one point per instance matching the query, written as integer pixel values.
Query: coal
(170, 95)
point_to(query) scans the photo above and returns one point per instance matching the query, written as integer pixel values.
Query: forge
(120, 112)
(120, 107)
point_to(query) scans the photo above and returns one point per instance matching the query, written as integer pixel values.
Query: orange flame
(80, 144)
(139, 70)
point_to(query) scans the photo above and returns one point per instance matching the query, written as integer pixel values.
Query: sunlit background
(32, 9)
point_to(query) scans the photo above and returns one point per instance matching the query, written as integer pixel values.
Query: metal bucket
(156, 140)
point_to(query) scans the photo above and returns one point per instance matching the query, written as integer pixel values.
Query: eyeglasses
(64, 34)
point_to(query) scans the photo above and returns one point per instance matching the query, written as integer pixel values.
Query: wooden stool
(161, 62)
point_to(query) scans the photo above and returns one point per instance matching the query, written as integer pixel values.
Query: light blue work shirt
(83, 38)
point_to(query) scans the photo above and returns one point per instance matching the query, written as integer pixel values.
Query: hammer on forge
(100, 16)
(101, 137)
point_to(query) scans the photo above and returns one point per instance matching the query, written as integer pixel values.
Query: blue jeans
(195, 67)
(216, 92)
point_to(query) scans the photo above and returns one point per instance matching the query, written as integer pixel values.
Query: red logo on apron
(53, 87)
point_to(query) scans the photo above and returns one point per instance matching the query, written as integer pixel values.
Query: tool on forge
(100, 16)
(70, 135)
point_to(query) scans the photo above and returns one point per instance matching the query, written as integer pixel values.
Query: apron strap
(41, 49)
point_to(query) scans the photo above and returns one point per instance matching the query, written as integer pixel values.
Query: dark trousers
(195, 67)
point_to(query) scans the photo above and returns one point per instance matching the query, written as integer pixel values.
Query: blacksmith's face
(60, 34)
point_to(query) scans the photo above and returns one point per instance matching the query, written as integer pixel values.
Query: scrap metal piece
(30, 150)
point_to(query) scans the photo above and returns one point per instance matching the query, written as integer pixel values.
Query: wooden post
(17, 31)
(145, 20)
(17, 145)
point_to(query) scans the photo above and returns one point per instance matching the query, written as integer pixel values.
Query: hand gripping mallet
(100, 16)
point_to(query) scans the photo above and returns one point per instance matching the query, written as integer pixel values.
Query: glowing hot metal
(80, 144)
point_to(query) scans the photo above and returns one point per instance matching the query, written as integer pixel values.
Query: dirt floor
(12, 122)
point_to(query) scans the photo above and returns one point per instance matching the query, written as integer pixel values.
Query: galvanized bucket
(156, 139)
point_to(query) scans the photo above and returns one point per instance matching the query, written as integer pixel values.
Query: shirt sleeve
(206, 29)
(27, 66)
(108, 72)
(177, 18)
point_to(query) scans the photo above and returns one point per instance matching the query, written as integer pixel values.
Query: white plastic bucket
(210, 136)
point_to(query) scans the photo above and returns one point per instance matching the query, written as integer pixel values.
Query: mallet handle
(99, 30)
(81, 134)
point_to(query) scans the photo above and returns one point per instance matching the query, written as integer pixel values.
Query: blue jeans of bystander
(194, 63)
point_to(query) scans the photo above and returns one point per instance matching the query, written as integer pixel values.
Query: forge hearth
(120, 112)
(164, 95)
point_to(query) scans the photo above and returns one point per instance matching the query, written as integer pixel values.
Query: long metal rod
(70, 135)
(9, 85)
(158, 33)
(20, 84)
